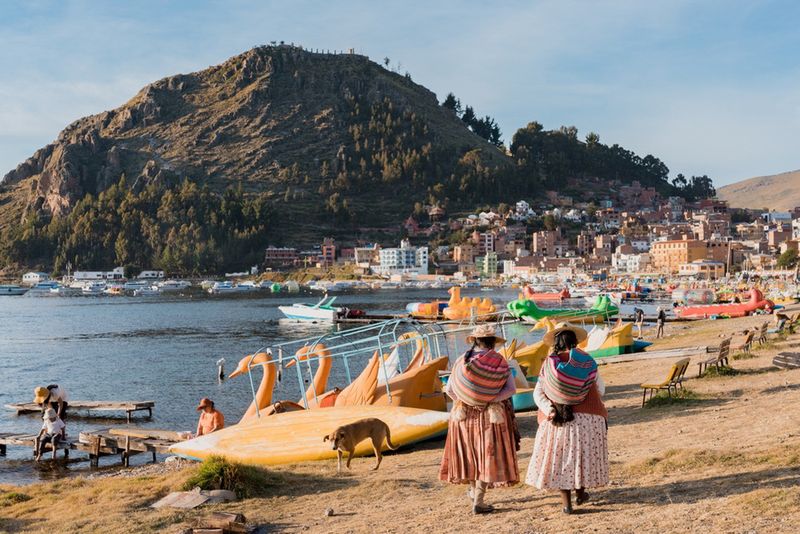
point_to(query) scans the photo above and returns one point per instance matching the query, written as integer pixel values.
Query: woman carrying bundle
(482, 437)
(571, 448)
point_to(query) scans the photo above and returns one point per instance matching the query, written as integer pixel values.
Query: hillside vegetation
(301, 144)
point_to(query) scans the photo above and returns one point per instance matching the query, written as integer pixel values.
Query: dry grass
(723, 462)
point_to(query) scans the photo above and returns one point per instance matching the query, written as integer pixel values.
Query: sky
(709, 87)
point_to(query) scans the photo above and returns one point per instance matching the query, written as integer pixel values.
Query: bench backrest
(678, 370)
(725, 346)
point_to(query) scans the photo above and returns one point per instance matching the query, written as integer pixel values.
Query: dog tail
(389, 438)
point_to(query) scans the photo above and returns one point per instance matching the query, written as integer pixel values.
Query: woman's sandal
(482, 509)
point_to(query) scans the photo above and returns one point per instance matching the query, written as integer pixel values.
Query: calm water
(162, 349)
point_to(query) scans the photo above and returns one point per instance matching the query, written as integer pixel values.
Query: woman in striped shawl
(482, 437)
(571, 448)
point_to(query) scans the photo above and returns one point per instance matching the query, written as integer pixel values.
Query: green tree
(788, 260)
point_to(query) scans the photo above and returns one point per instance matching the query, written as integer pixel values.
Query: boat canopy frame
(382, 337)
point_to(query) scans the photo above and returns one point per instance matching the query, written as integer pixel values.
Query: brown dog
(347, 437)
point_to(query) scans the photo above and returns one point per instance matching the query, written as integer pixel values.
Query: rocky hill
(779, 192)
(296, 124)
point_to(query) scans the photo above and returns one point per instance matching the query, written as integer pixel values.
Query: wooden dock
(110, 442)
(129, 407)
(29, 441)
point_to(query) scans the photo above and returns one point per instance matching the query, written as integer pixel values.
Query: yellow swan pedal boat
(293, 437)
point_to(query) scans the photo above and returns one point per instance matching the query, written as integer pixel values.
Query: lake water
(163, 349)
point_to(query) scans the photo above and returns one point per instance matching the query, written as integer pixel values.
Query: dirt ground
(726, 460)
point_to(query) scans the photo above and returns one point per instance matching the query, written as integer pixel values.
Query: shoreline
(721, 461)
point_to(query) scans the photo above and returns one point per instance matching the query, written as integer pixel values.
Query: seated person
(211, 419)
(52, 429)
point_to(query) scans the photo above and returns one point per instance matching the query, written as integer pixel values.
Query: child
(51, 432)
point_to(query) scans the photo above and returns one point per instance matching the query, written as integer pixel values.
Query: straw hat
(485, 330)
(40, 394)
(205, 402)
(580, 333)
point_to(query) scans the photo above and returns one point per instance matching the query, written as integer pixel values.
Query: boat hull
(297, 436)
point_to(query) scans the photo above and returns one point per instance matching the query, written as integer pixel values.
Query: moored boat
(321, 311)
(11, 290)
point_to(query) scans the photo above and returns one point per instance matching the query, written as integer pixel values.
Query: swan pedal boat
(292, 437)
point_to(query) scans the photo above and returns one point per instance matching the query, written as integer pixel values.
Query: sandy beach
(724, 460)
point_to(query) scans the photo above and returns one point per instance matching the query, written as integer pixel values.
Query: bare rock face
(247, 119)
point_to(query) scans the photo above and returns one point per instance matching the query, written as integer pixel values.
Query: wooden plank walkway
(129, 407)
(29, 441)
(109, 442)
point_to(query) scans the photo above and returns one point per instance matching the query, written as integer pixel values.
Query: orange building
(667, 256)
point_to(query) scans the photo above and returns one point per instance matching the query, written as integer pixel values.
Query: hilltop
(279, 145)
(778, 191)
(275, 118)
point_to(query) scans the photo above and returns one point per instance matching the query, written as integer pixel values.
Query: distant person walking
(638, 318)
(571, 447)
(661, 318)
(211, 419)
(482, 438)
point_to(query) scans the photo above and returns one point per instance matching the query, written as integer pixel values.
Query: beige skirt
(571, 456)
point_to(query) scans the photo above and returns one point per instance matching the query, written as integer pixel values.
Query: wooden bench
(747, 344)
(787, 360)
(673, 380)
(718, 361)
(762, 333)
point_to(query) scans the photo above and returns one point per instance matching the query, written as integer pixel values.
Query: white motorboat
(168, 286)
(222, 288)
(43, 288)
(93, 288)
(65, 291)
(12, 290)
(133, 285)
(321, 311)
(147, 291)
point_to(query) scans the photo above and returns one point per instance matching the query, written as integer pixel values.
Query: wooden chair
(721, 358)
(673, 380)
(762, 333)
(746, 345)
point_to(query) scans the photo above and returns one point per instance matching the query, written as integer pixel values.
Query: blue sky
(710, 87)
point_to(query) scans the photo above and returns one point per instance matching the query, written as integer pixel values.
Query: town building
(327, 255)
(702, 269)
(487, 265)
(667, 256)
(34, 277)
(404, 260)
(280, 256)
(150, 275)
(118, 273)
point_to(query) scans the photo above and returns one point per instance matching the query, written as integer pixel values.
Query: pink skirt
(572, 456)
(477, 450)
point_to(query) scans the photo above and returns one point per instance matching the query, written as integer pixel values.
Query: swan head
(248, 362)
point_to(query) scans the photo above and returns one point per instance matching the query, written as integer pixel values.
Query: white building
(117, 273)
(34, 277)
(150, 275)
(796, 229)
(522, 211)
(403, 260)
(630, 263)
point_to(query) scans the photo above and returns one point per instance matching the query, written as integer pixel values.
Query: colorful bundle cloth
(569, 382)
(478, 381)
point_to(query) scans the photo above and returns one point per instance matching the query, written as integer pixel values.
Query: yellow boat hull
(293, 437)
